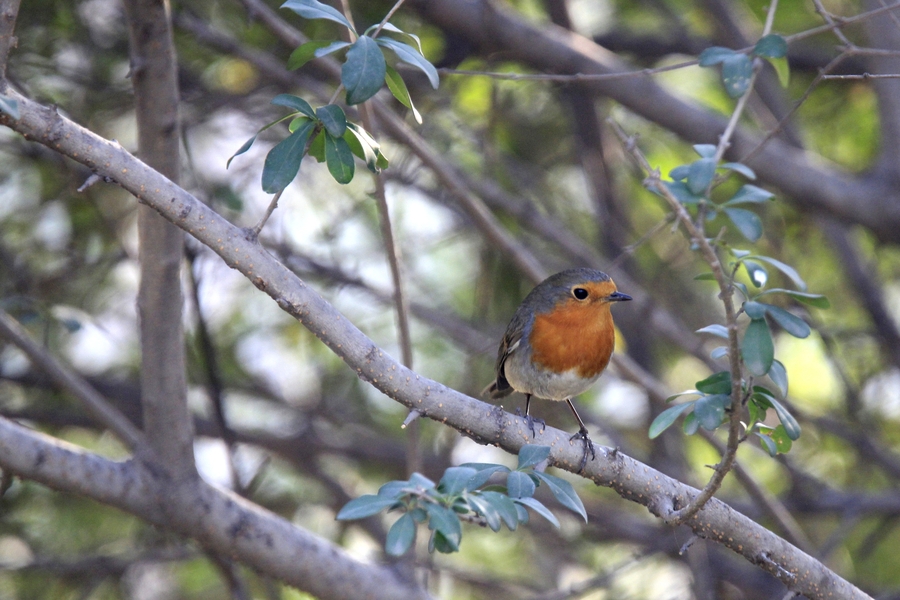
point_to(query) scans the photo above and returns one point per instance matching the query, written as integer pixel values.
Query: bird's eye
(580, 293)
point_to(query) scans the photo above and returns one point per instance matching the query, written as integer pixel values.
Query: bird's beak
(618, 297)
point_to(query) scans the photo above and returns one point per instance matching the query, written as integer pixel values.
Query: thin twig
(570, 77)
(209, 358)
(726, 290)
(414, 455)
(262, 222)
(387, 17)
(840, 22)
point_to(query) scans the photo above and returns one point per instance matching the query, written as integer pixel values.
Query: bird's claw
(582, 434)
(530, 421)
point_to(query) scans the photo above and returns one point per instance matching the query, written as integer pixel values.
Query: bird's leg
(583, 436)
(529, 420)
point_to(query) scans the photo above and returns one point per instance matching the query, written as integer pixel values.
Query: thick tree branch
(631, 479)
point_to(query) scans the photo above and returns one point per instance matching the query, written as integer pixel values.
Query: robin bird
(558, 343)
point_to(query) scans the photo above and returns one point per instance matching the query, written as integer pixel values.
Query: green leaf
(519, 485)
(411, 56)
(9, 106)
(331, 48)
(487, 510)
(455, 480)
(783, 441)
(792, 324)
(758, 274)
(317, 147)
(313, 9)
(757, 412)
(747, 223)
(757, 347)
(483, 474)
(532, 454)
(394, 489)
(365, 506)
(690, 425)
(505, 506)
(444, 521)
(420, 481)
(296, 122)
(680, 394)
(718, 383)
(666, 418)
(700, 175)
(680, 172)
(363, 146)
(400, 536)
(681, 192)
(394, 29)
(783, 69)
(817, 300)
(564, 493)
(705, 277)
(750, 194)
(241, 150)
(771, 46)
(365, 139)
(283, 161)
(338, 158)
(363, 73)
(740, 168)
(736, 73)
(778, 375)
(714, 55)
(791, 426)
(716, 330)
(539, 508)
(398, 88)
(295, 102)
(755, 310)
(441, 544)
(705, 150)
(767, 444)
(333, 118)
(788, 270)
(305, 53)
(710, 410)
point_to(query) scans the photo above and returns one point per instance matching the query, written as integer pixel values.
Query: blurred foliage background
(304, 435)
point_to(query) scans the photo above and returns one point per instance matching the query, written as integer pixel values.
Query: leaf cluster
(325, 133)
(465, 493)
(737, 67)
(691, 185)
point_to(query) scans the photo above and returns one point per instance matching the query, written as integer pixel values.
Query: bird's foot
(530, 421)
(588, 447)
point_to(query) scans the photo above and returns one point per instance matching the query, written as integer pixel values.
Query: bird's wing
(509, 344)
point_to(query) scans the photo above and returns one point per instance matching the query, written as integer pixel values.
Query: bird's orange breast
(574, 335)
